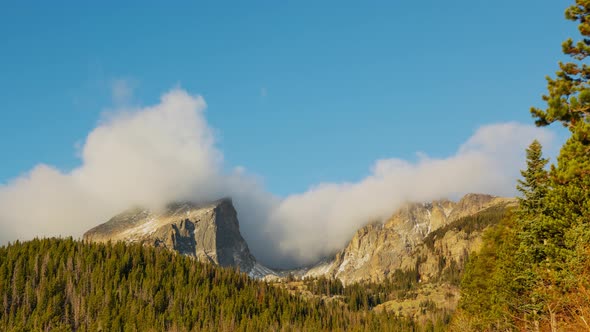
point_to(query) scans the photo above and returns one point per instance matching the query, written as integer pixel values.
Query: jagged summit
(377, 250)
(208, 231)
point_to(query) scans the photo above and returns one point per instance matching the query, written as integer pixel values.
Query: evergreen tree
(567, 211)
(532, 226)
(568, 100)
(543, 270)
(559, 241)
(533, 185)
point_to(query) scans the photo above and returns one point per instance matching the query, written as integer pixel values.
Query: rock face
(209, 232)
(429, 237)
(377, 250)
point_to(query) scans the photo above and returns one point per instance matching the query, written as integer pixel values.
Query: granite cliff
(209, 232)
(427, 237)
(430, 238)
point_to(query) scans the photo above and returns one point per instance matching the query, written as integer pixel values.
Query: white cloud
(323, 219)
(136, 157)
(153, 155)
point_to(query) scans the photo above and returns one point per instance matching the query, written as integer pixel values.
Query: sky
(297, 108)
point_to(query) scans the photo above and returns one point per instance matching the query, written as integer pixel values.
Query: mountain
(209, 232)
(417, 256)
(413, 260)
(416, 237)
(430, 238)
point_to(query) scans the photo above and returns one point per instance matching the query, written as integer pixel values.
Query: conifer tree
(561, 234)
(568, 100)
(542, 274)
(567, 209)
(533, 185)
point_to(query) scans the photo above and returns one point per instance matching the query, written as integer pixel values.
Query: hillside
(425, 284)
(66, 285)
(416, 235)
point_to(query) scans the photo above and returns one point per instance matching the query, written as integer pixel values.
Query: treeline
(469, 224)
(402, 285)
(67, 285)
(533, 272)
(367, 295)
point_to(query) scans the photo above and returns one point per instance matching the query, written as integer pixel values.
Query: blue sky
(299, 92)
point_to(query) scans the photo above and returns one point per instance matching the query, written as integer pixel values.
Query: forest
(533, 272)
(67, 285)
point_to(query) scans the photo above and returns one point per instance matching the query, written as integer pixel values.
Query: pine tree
(541, 279)
(559, 240)
(567, 209)
(533, 226)
(533, 185)
(568, 100)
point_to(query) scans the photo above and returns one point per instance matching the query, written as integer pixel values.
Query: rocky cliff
(431, 238)
(209, 232)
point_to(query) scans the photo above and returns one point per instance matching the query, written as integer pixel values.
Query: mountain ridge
(377, 249)
(208, 232)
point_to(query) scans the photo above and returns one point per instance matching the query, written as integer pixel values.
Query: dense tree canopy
(540, 277)
(66, 285)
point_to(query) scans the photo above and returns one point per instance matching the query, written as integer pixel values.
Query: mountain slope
(414, 262)
(209, 232)
(67, 285)
(377, 250)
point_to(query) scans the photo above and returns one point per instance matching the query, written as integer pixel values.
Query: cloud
(322, 220)
(153, 155)
(135, 157)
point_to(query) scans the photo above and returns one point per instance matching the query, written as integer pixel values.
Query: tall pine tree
(541, 279)
(567, 208)
(561, 235)
(533, 186)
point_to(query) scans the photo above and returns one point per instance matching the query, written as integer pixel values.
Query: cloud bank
(153, 155)
(329, 214)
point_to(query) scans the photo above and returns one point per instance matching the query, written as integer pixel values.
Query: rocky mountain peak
(377, 250)
(207, 231)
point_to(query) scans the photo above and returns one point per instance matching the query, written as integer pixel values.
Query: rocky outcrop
(428, 237)
(209, 232)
